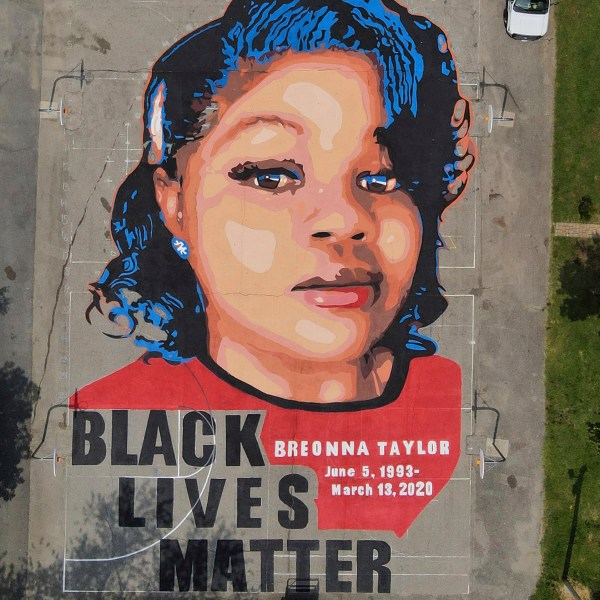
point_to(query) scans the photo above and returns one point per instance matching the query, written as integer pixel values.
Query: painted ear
(168, 197)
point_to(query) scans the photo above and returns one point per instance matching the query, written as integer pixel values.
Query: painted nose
(340, 216)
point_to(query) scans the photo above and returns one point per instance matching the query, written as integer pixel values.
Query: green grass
(577, 108)
(573, 347)
(572, 401)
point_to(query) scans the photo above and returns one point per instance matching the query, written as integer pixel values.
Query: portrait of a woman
(280, 232)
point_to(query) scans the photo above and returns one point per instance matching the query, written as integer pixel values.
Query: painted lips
(339, 297)
(348, 289)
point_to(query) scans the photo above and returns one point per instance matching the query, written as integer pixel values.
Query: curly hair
(426, 136)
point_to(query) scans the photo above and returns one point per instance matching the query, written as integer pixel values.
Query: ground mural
(277, 258)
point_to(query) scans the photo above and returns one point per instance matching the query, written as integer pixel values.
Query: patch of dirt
(584, 592)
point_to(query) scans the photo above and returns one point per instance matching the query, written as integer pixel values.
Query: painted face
(301, 240)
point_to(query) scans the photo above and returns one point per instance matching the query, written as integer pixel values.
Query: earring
(180, 246)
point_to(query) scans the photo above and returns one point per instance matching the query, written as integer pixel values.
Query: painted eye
(274, 175)
(272, 181)
(378, 183)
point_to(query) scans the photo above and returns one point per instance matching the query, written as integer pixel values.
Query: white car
(527, 19)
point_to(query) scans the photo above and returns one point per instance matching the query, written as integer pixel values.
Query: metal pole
(80, 77)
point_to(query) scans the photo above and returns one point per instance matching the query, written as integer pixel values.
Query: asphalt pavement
(494, 267)
(20, 74)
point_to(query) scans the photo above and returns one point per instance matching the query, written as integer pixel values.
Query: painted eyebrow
(269, 164)
(383, 170)
(245, 122)
(382, 138)
(269, 119)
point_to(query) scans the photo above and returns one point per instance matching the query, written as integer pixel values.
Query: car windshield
(533, 6)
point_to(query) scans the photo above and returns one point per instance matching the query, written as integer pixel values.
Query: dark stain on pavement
(103, 45)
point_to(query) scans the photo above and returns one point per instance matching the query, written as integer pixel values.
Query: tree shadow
(95, 539)
(16, 395)
(580, 282)
(100, 536)
(12, 579)
(577, 487)
(4, 300)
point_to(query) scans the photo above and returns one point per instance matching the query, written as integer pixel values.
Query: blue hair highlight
(410, 64)
(275, 27)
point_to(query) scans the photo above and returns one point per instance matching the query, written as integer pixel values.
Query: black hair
(426, 136)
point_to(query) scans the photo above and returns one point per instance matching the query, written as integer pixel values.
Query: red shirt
(377, 468)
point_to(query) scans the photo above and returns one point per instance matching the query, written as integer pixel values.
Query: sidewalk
(20, 47)
(576, 230)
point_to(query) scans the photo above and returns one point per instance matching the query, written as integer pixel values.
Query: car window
(535, 6)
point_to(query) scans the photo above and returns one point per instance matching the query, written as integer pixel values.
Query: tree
(16, 393)
(580, 282)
